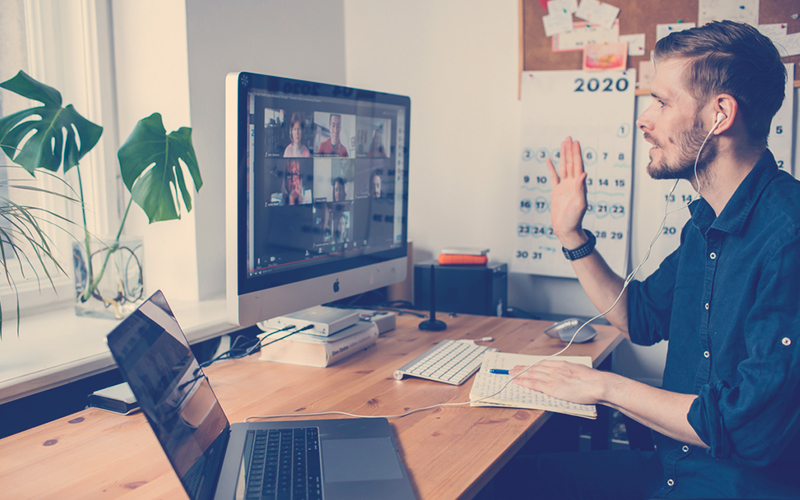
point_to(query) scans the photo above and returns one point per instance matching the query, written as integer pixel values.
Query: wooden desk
(449, 452)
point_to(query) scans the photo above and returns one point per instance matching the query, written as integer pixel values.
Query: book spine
(336, 351)
(451, 259)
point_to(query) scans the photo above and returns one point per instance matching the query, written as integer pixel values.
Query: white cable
(720, 117)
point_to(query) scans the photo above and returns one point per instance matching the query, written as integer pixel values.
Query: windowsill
(39, 360)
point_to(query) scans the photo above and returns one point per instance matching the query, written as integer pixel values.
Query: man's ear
(726, 106)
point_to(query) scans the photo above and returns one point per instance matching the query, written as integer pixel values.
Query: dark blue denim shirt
(728, 301)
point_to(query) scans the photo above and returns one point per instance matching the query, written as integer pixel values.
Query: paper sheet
(556, 23)
(487, 385)
(583, 34)
(663, 30)
(787, 45)
(635, 43)
(742, 11)
(782, 127)
(597, 12)
(568, 6)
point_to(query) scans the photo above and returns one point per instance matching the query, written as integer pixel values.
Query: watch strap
(583, 250)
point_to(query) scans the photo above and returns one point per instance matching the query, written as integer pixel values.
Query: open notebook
(515, 396)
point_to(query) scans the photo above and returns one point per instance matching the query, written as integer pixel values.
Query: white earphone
(720, 117)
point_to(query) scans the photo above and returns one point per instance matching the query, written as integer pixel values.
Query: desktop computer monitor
(316, 195)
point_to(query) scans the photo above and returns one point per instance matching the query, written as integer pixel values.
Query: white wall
(172, 56)
(300, 39)
(151, 74)
(458, 61)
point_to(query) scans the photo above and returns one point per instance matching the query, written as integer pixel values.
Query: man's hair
(731, 58)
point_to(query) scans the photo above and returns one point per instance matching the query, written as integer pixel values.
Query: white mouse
(564, 330)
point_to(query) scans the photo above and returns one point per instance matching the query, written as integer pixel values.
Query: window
(63, 44)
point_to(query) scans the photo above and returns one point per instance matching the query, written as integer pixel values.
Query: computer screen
(317, 193)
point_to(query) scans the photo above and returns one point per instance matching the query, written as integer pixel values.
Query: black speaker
(463, 289)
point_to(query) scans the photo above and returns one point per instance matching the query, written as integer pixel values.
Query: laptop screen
(155, 359)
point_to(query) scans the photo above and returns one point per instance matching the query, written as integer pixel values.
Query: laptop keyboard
(285, 464)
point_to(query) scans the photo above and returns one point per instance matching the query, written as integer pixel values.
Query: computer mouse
(564, 330)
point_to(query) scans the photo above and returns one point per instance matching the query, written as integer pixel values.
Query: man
(727, 416)
(339, 193)
(341, 229)
(334, 145)
(375, 184)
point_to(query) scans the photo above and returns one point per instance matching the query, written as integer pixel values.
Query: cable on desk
(416, 410)
(252, 345)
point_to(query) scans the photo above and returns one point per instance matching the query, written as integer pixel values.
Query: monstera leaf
(150, 169)
(47, 147)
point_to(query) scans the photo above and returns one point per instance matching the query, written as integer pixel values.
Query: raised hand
(568, 197)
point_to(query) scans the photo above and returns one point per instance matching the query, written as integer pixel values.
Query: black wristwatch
(583, 250)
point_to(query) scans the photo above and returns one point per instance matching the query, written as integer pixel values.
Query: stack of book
(323, 345)
(463, 256)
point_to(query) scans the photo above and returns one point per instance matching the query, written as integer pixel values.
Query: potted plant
(54, 138)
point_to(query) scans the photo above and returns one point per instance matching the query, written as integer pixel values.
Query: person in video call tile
(327, 224)
(375, 185)
(296, 149)
(726, 420)
(334, 144)
(341, 229)
(376, 147)
(339, 193)
(293, 193)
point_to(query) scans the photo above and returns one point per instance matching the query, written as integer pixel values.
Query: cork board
(636, 16)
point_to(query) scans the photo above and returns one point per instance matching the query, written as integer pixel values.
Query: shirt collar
(736, 211)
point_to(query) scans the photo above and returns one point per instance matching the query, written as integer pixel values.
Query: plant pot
(120, 287)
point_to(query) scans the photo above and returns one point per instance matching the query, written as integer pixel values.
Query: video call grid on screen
(321, 181)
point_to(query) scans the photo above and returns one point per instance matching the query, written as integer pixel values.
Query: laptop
(304, 459)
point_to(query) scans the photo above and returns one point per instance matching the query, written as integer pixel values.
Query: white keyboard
(449, 361)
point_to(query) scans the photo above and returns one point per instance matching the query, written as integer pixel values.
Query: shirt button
(713, 256)
(670, 482)
(786, 341)
(706, 306)
(706, 354)
(685, 449)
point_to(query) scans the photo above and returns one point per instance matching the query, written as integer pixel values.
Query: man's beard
(688, 144)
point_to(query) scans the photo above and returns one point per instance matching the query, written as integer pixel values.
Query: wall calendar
(597, 109)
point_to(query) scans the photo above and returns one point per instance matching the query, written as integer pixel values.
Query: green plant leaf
(151, 171)
(47, 147)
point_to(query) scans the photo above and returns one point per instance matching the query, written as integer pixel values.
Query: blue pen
(498, 372)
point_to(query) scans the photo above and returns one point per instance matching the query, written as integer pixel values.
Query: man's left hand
(563, 380)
